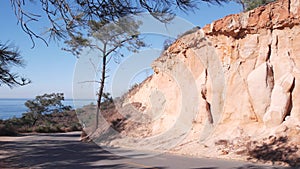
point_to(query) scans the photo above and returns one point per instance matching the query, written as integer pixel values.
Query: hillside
(229, 90)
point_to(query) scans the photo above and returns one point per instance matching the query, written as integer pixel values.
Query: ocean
(15, 107)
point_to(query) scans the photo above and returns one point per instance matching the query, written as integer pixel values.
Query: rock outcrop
(238, 77)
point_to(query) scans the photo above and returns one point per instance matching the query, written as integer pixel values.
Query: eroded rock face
(280, 101)
(260, 85)
(246, 69)
(263, 60)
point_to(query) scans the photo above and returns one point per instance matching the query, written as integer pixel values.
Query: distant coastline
(14, 107)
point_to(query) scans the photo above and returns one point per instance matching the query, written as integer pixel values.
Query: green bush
(24, 129)
(75, 127)
(52, 122)
(251, 4)
(7, 130)
(42, 129)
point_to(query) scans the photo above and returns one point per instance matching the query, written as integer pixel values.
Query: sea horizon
(14, 107)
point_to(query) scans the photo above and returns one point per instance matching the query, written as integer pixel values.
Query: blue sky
(52, 70)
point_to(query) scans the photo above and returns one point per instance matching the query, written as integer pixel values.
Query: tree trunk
(101, 87)
(33, 123)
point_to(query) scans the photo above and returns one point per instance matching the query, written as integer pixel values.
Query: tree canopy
(10, 57)
(70, 18)
(44, 104)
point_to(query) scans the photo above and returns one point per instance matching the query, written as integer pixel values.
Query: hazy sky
(52, 70)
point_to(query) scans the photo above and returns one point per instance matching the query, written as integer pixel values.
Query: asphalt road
(66, 151)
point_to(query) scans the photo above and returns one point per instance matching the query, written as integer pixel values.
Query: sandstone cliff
(231, 89)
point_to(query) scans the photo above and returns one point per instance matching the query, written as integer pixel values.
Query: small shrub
(251, 4)
(7, 130)
(76, 127)
(25, 129)
(42, 129)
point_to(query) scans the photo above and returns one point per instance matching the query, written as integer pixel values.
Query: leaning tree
(108, 39)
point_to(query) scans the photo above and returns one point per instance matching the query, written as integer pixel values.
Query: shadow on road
(66, 151)
(206, 168)
(52, 152)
